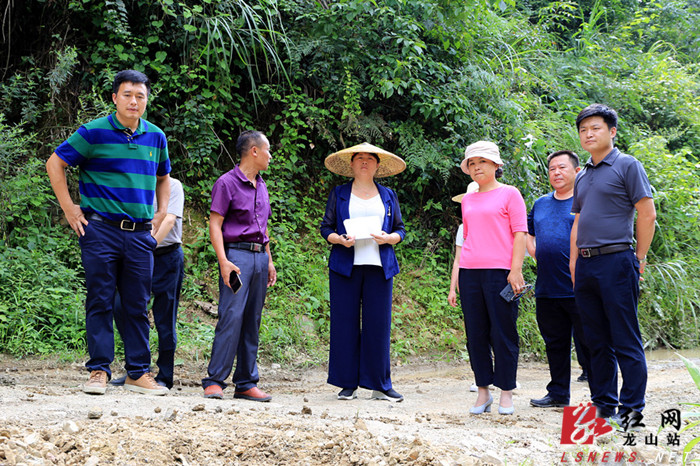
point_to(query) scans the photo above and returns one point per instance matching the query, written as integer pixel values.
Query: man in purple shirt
(240, 208)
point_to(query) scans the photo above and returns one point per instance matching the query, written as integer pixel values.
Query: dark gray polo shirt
(604, 196)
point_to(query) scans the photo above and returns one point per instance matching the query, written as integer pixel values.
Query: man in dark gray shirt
(605, 267)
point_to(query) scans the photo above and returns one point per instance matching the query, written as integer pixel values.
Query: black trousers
(490, 323)
(559, 319)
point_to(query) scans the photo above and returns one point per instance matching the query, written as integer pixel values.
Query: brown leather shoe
(214, 391)
(145, 384)
(96, 384)
(253, 394)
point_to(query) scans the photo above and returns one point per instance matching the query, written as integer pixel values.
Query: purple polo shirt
(245, 208)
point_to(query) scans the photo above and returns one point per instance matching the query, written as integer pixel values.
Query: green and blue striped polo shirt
(118, 170)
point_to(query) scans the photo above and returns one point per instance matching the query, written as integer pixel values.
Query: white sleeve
(459, 239)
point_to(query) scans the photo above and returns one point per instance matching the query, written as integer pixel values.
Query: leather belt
(255, 247)
(609, 249)
(126, 225)
(166, 249)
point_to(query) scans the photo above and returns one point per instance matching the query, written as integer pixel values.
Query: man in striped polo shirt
(123, 163)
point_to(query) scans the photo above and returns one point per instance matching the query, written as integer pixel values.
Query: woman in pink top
(495, 226)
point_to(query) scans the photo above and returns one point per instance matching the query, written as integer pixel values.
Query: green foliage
(676, 183)
(694, 372)
(41, 309)
(670, 301)
(421, 78)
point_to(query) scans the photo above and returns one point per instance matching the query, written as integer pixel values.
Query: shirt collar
(114, 121)
(241, 176)
(608, 159)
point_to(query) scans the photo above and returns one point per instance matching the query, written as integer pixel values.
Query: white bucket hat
(485, 149)
(389, 164)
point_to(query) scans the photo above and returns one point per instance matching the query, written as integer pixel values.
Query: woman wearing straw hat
(459, 241)
(362, 222)
(495, 225)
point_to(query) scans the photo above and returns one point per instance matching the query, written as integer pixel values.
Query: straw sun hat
(471, 188)
(485, 149)
(389, 164)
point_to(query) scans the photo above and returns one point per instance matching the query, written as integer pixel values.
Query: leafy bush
(41, 303)
(420, 78)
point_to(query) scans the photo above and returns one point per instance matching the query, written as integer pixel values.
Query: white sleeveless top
(366, 250)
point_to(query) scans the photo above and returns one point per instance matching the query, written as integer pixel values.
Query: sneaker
(96, 384)
(347, 394)
(627, 420)
(145, 384)
(121, 380)
(118, 382)
(389, 395)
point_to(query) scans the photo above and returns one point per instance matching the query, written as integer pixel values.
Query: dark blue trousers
(168, 273)
(558, 319)
(606, 290)
(490, 323)
(360, 329)
(113, 260)
(583, 357)
(236, 334)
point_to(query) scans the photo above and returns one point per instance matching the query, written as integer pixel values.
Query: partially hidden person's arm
(216, 236)
(515, 276)
(454, 278)
(271, 271)
(162, 197)
(573, 250)
(646, 219)
(165, 227)
(56, 169)
(531, 245)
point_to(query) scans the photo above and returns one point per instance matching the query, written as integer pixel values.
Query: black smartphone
(508, 294)
(235, 281)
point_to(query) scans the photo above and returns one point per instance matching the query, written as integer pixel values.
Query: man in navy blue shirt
(606, 267)
(549, 230)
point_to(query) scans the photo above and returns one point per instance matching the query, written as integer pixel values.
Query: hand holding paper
(363, 227)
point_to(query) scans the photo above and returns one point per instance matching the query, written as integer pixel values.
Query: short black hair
(573, 156)
(608, 114)
(373, 155)
(248, 139)
(499, 172)
(130, 76)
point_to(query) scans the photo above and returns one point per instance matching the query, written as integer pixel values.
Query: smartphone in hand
(508, 294)
(235, 281)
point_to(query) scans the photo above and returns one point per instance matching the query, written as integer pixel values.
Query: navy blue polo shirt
(550, 221)
(604, 196)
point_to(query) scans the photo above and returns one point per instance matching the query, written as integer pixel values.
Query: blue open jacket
(338, 210)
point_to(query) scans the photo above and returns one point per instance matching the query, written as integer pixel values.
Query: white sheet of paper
(361, 227)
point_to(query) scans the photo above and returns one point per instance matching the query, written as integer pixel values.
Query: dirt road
(46, 419)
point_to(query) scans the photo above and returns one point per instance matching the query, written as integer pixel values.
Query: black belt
(255, 247)
(609, 249)
(126, 225)
(166, 249)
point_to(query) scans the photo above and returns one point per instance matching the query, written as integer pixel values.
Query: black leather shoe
(582, 378)
(627, 420)
(548, 402)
